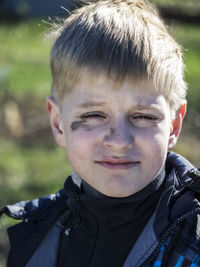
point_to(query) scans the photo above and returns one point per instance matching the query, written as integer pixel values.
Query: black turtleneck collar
(112, 212)
(116, 211)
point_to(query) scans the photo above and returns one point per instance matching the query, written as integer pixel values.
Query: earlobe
(55, 121)
(176, 126)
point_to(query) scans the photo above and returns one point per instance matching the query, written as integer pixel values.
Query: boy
(117, 105)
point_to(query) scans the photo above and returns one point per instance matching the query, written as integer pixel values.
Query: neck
(149, 189)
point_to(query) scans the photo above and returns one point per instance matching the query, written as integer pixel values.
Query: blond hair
(122, 38)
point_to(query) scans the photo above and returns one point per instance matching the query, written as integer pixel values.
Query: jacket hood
(34, 209)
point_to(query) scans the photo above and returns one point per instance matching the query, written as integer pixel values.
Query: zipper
(165, 235)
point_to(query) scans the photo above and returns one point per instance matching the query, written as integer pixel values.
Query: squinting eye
(145, 117)
(143, 120)
(93, 116)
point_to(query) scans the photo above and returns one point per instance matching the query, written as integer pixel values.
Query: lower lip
(118, 166)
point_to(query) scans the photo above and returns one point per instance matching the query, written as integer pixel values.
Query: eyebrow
(139, 107)
(145, 107)
(91, 104)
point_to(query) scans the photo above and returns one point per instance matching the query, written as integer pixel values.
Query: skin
(116, 135)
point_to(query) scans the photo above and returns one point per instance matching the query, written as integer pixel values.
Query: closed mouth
(118, 164)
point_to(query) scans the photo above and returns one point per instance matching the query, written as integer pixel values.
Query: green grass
(189, 37)
(24, 59)
(30, 172)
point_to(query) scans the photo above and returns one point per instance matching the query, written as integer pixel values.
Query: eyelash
(92, 115)
(145, 117)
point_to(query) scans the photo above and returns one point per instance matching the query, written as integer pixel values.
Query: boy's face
(116, 135)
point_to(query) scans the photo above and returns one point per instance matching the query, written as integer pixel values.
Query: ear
(55, 121)
(176, 126)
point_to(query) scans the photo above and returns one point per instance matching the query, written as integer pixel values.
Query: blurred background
(31, 164)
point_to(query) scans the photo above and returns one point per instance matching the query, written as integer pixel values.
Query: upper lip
(116, 160)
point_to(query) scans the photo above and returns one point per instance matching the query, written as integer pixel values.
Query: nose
(118, 137)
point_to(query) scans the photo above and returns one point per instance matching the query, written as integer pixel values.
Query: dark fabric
(106, 225)
(25, 237)
(46, 253)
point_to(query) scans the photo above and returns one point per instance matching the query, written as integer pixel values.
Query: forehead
(97, 83)
(97, 89)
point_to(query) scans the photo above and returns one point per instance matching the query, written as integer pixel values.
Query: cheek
(154, 150)
(155, 142)
(81, 144)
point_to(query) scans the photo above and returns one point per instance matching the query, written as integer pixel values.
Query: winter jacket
(170, 238)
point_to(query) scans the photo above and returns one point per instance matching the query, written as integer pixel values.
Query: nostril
(118, 139)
